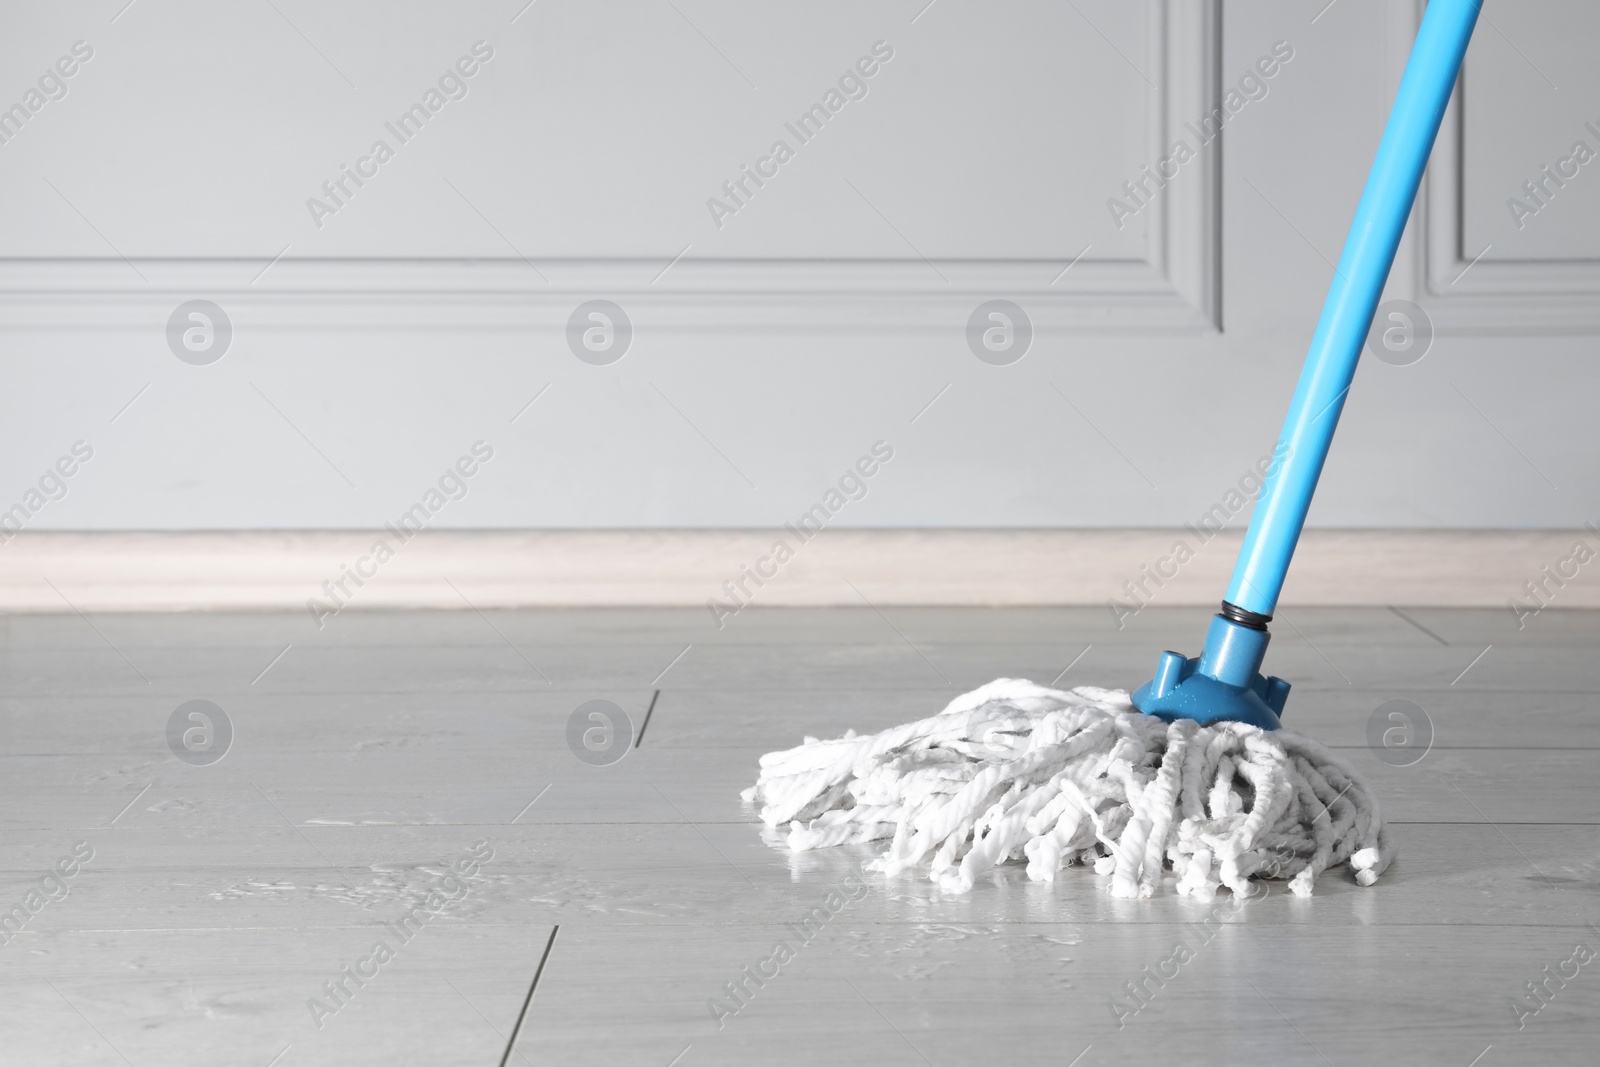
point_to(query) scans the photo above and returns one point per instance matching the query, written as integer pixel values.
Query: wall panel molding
(1175, 287)
(1467, 294)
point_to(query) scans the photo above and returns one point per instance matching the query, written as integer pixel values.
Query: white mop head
(1015, 770)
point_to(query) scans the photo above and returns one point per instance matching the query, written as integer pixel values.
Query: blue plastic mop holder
(1225, 682)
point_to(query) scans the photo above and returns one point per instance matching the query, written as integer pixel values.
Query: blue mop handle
(1330, 364)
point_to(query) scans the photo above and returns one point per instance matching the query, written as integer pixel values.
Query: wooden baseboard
(51, 572)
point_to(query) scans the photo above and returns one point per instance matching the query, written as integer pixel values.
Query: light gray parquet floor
(371, 755)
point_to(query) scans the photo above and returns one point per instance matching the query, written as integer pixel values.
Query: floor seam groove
(516, 1031)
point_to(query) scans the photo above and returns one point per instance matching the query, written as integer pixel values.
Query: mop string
(1015, 771)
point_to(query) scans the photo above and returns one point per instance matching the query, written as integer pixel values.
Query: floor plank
(653, 874)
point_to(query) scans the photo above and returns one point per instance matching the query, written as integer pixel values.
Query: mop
(1191, 772)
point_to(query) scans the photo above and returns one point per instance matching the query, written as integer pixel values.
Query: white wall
(428, 310)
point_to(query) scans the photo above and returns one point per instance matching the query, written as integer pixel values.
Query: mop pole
(1280, 513)
(1236, 642)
